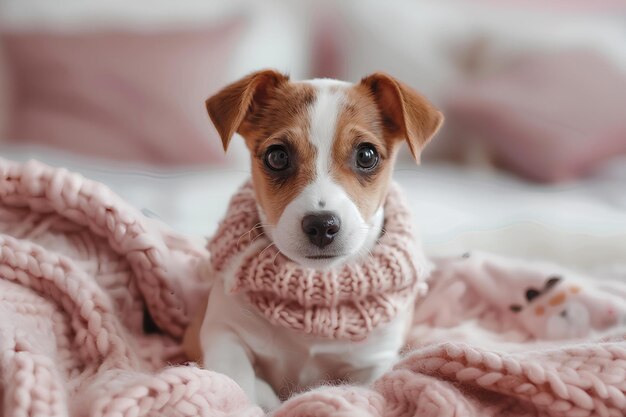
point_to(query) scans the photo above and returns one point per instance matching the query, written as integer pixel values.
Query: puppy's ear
(229, 107)
(406, 114)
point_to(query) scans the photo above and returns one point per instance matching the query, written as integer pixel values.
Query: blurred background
(531, 161)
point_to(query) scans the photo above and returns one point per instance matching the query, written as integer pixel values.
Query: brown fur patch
(384, 112)
(406, 114)
(359, 122)
(191, 338)
(230, 106)
(281, 120)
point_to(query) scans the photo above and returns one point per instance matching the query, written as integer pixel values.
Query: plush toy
(543, 300)
(564, 309)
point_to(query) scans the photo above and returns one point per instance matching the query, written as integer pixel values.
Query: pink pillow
(133, 96)
(549, 118)
(4, 93)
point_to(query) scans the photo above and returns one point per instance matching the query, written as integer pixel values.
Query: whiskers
(266, 248)
(249, 232)
(278, 252)
(364, 250)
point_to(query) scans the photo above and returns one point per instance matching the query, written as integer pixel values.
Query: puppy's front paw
(266, 398)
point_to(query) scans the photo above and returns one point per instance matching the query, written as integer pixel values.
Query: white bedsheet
(580, 224)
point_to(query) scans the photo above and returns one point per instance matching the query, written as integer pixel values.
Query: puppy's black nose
(321, 227)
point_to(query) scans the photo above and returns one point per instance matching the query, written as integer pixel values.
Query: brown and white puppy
(322, 157)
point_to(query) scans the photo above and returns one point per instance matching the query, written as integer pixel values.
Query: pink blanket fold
(79, 269)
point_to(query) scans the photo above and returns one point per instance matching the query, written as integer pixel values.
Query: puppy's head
(322, 155)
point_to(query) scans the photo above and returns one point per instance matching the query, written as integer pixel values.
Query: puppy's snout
(321, 228)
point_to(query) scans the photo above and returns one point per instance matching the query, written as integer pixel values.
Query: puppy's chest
(291, 360)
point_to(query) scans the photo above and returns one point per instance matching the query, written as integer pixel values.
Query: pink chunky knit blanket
(83, 275)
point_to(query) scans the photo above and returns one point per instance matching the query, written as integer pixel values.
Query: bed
(95, 296)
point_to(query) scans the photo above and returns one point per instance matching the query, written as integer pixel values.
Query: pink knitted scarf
(347, 302)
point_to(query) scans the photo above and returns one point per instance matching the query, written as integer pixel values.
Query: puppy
(322, 153)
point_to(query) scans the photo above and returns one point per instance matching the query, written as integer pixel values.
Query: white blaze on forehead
(324, 113)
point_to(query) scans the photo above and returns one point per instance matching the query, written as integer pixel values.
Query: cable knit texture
(342, 303)
(79, 267)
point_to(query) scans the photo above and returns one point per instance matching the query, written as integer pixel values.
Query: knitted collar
(346, 302)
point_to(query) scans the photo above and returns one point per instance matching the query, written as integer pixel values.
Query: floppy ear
(406, 114)
(229, 107)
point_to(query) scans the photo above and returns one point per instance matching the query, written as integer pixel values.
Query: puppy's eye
(277, 158)
(366, 157)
